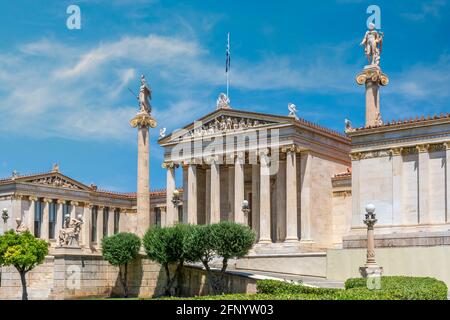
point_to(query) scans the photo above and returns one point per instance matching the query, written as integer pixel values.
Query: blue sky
(64, 96)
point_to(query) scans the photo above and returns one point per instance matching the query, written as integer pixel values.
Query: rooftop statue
(145, 95)
(292, 110)
(373, 44)
(223, 101)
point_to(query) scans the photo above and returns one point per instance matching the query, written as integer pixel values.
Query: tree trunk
(168, 284)
(221, 284)
(123, 278)
(24, 285)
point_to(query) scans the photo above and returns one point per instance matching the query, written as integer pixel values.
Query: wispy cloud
(433, 9)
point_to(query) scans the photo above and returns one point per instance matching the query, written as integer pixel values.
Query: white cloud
(432, 9)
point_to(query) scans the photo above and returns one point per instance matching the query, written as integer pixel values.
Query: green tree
(24, 252)
(166, 247)
(226, 239)
(120, 250)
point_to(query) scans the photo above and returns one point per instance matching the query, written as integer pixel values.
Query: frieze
(225, 124)
(55, 181)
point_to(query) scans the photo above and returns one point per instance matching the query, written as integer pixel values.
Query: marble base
(371, 271)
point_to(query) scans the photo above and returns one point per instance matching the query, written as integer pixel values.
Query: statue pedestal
(68, 250)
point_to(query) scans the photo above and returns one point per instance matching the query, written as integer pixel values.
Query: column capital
(355, 156)
(291, 148)
(99, 207)
(33, 198)
(74, 203)
(169, 165)
(17, 196)
(447, 145)
(88, 205)
(422, 148)
(396, 151)
(123, 210)
(61, 201)
(213, 159)
(47, 200)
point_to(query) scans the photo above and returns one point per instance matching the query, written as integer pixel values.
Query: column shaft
(305, 194)
(239, 189)
(255, 198)
(86, 226)
(111, 222)
(424, 209)
(99, 225)
(143, 177)
(280, 201)
(170, 208)
(192, 194)
(215, 192)
(264, 231)
(397, 187)
(291, 197)
(45, 219)
(31, 214)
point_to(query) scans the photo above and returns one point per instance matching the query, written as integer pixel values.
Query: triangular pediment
(225, 121)
(53, 179)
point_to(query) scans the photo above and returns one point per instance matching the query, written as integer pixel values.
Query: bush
(408, 288)
(24, 252)
(119, 250)
(225, 239)
(392, 288)
(166, 247)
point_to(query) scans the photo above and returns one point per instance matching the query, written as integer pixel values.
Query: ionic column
(424, 208)
(163, 213)
(231, 193)
(192, 194)
(59, 216)
(185, 193)
(17, 210)
(264, 200)
(86, 226)
(73, 209)
(31, 214)
(239, 187)
(447, 179)
(45, 219)
(280, 201)
(111, 222)
(396, 154)
(255, 198)
(215, 191)
(99, 224)
(306, 199)
(291, 194)
(170, 188)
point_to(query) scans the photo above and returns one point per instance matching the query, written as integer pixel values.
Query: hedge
(392, 288)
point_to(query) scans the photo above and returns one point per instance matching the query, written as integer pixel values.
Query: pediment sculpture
(55, 181)
(225, 124)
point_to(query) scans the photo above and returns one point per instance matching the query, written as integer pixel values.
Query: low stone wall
(72, 276)
(408, 261)
(195, 282)
(304, 264)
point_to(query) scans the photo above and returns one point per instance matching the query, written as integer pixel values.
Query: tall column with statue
(372, 76)
(143, 121)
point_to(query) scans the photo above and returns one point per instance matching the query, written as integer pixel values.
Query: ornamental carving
(374, 75)
(224, 124)
(55, 181)
(169, 165)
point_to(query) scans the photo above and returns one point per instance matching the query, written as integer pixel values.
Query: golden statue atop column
(372, 76)
(143, 121)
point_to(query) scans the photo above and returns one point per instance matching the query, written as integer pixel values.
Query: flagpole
(228, 63)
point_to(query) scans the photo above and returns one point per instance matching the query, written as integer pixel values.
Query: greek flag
(227, 65)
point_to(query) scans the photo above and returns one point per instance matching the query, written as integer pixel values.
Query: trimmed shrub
(409, 288)
(119, 250)
(392, 288)
(166, 247)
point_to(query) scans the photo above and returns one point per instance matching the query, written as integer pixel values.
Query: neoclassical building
(281, 166)
(42, 202)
